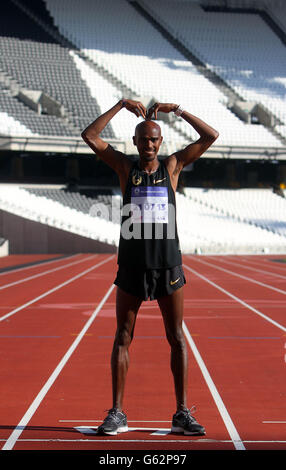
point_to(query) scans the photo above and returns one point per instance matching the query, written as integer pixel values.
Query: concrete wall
(27, 237)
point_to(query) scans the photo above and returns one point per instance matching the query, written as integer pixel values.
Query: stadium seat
(143, 60)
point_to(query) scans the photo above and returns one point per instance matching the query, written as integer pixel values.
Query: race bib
(149, 204)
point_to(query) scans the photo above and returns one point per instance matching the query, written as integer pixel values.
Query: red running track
(57, 322)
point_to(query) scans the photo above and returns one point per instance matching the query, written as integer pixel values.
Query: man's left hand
(160, 107)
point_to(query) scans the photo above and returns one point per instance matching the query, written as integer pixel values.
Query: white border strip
(237, 299)
(165, 441)
(41, 395)
(237, 442)
(251, 268)
(54, 289)
(24, 279)
(261, 261)
(36, 265)
(243, 277)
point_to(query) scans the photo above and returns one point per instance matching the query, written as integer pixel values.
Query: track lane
(82, 392)
(20, 275)
(270, 262)
(261, 278)
(266, 273)
(78, 395)
(18, 296)
(244, 354)
(23, 271)
(266, 301)
(35, 340)
(73, 403)
(16, 260)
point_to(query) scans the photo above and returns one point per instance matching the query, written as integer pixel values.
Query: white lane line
(274, 422)
(54, 289)
(249, 279)
(100, 421)
(114, 441)
(25, 279)
(161, 432)
(152, 431)
(36, 265)
(251, 268)
(237, 442)
(11, 441)
(237, 299)
(264, 263)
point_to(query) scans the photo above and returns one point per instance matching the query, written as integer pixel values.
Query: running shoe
(184, 422)
(115, 421)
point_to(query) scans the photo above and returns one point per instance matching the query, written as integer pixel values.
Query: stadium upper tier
(239, 47)
(18, 119)
(126, 44)
(113, 35)
(36, 62)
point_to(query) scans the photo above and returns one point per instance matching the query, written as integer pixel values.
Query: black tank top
(148, 236)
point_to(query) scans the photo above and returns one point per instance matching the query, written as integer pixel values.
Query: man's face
(148, 140)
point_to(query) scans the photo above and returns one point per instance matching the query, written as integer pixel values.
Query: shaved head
(147, 126)
(147, 139)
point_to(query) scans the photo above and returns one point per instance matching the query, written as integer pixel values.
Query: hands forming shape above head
(137, 108)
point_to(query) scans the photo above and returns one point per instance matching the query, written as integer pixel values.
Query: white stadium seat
(129, 47)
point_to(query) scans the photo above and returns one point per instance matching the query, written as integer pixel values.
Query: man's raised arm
(91, 135)
(193, 151)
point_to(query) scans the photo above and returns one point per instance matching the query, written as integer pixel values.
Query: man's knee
(123, 338)
(176, 339)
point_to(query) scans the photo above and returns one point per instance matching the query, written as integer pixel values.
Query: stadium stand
(71, 217)
(88, 201)
(260, 207)
(33, 59)
(140, 57)
(250, 58)
(206, 229)
(84, 59)
(109, 94)
(21, 120)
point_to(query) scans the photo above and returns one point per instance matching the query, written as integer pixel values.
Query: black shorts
(150, 283)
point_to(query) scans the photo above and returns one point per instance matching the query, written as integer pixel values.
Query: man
(149, 257)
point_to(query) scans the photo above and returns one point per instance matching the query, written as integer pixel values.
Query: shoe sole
(113, 433)
(179, 430)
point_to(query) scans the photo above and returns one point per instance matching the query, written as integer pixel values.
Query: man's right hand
(135, 107)
(160, 107)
